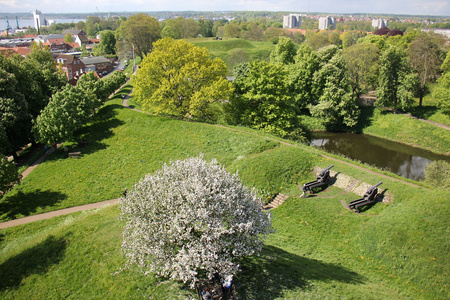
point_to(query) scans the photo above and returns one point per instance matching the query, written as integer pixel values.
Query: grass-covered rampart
(320, 250)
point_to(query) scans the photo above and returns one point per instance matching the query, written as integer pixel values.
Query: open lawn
(406, 130)
(224, 49)
(320, 249)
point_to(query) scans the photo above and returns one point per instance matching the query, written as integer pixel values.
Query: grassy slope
(123, 146)
(320, 250)
(407, 130)
(223, 48)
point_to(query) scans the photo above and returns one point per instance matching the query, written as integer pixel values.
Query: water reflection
(403, 160)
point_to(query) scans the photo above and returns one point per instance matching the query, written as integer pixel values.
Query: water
(29, 22)
(404, 160)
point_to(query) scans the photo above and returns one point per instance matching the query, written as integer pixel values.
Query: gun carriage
(322, 179)
(369, 197)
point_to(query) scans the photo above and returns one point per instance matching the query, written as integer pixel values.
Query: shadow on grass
(423, 112)
(365, 119)
(275, 271)
(20, 203)
(35, 260)
(92, 135)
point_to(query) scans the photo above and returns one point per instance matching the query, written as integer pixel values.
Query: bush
(437, 173)
(192, 219)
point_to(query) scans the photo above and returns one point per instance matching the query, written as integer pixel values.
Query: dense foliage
(437, 173)
(8, 175)
(396, 84)
(191, 220)
(70, 108)
(425, 55)
(26, 86)
(262, 100)
(137, 33)
(182, 80)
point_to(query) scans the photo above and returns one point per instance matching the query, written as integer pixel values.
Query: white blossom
(191, 216)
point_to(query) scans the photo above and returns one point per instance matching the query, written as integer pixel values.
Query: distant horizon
(437, 8)
(96, 13)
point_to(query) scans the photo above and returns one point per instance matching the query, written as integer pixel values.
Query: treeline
(37, 105)
(273, 96)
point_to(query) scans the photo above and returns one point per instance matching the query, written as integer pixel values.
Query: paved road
(56, 213)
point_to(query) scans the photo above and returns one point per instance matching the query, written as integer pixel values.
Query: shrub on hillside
(437, 173)
(192, 219)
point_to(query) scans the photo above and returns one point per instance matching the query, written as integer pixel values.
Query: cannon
(369, 197)
(322, 179)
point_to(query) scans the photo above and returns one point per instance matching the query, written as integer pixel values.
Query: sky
(403, 7)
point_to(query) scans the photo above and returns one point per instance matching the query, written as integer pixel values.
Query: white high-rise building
(326, 22)
(39, 20)
(292, 21)
(380, 23)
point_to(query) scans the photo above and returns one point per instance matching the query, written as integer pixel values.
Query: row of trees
(180, 79)
(71, 107)
(26, 85)
(37, 105)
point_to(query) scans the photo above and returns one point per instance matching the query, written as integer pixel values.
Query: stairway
(277, 201)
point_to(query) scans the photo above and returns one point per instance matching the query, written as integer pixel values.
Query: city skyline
(399, 7)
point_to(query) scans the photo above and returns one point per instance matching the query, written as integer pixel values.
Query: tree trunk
(15, 156)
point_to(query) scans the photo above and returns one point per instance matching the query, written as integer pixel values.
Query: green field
(224, 48)
(320, 250)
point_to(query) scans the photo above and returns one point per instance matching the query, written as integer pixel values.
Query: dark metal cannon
(369, 197)
(322, 179)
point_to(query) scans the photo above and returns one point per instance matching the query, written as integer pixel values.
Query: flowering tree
(192, 219)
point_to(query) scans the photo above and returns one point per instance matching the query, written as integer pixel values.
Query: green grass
(429, 111)
(320, 250)
(407, 130)
(123, 146)
(74, 257)
(223, 48)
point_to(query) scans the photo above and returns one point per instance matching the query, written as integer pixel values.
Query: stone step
(277, 201)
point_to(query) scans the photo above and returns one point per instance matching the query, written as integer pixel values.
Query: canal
(404, 160)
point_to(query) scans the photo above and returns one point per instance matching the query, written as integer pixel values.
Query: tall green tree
(9, 176)
(139, 31)
(262, 100)
(425, 55)
(284, 52)
(108, 42)
(206, 27)
(301, 76)
(68, 38)
(180, 28)
(67, 111)
(180, 79)
(441, 92)
(14, 115)
(394, 79)
(336, 105)
(362, 62)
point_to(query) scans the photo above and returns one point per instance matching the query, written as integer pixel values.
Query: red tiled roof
(74, 45)
(16, 50)
(55, 41)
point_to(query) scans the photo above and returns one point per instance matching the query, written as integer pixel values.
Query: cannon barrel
(369, 190)
(325, 170)
(378, 184)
